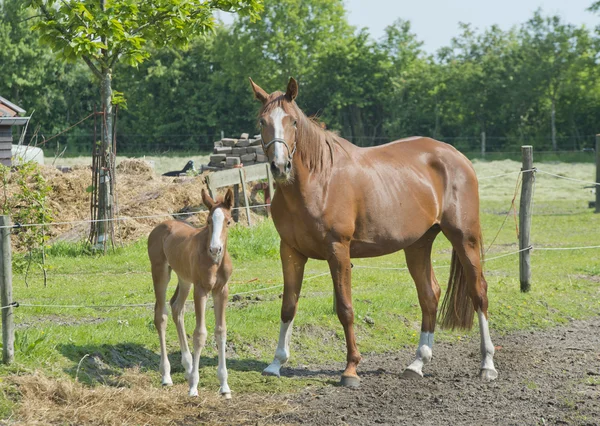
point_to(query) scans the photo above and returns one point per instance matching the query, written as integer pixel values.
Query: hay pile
(140, 193)
(134, 401)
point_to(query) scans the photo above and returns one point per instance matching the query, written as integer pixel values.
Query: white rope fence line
(568, 178)
(126, 218)
(121, 219)
(138, 305)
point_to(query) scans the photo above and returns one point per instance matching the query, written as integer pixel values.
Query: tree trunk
(553, 123)
(106, 163)
(483, 143)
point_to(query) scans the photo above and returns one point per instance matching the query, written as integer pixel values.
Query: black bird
(188, 166)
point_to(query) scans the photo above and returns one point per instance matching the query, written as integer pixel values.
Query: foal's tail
(457, 310)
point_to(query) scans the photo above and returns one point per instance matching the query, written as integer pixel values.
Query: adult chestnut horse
(336, 201)
(199, 257)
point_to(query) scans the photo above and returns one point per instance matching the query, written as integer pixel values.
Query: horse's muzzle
(281, 171)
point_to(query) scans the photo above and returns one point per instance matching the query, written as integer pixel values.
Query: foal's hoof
(350, 381)
(226, 395)
(488, 375)
(412, 374)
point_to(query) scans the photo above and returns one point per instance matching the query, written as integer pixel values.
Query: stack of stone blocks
(229, 153)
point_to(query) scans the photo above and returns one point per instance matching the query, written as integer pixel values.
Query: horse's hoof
(226, 395)
(412, 374)
(271, 371)
(487, 375)
(193, 392)
(350, 381)
(167, 382)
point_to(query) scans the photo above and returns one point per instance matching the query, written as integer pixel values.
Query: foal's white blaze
(279, 149)
(424, 353)
(488, 372)
(216, 244)
(282, 354)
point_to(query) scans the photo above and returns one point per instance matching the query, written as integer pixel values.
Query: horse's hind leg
(418, 260)
(178, 310)
(467, 244)
(161, 273)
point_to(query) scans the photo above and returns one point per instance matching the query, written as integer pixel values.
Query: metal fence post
(525, 218)
(8, 326)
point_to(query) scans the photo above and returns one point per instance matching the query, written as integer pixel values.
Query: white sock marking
(424, 353)
(282, 353)
(487, 347)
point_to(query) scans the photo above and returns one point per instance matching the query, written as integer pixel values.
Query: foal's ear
(228, 200)
(292, 90)
(259, 93)
(208, 202)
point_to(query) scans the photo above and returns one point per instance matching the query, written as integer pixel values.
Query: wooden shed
(9, 117)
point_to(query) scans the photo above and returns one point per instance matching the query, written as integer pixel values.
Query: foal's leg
(341, 272)
(178, 310)
(161, 274)
(220, 301)
(418, 260)
(468, 248)
(292, 263)
(199, 338)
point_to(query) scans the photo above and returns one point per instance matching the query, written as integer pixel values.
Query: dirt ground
(549, 377)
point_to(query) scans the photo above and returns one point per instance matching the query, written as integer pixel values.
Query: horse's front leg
(341, 272)
(220, 301)
(199, 338)
(292, 263)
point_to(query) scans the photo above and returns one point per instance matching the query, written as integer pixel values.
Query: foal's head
(219, 219)
(277, 120)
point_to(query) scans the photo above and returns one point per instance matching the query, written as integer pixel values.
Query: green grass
(55, 340)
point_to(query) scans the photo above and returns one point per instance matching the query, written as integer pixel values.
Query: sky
(435, 22)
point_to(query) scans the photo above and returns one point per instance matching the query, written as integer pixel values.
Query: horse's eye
(228, 222)
(295, 122)
(261, 122)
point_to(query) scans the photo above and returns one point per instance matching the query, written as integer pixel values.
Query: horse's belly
(373, 249)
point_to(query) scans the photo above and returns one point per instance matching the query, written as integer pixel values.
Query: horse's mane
(315, 145)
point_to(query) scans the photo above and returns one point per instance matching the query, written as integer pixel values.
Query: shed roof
(8, 109)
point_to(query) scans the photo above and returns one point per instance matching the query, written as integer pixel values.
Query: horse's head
(277, 120)
(218, 221)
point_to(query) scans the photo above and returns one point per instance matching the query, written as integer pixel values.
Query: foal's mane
(315, 145)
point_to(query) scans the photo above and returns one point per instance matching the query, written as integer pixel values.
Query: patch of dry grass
(135, 401)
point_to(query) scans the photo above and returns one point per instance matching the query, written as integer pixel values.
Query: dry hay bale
(134, 166)
(41, 400)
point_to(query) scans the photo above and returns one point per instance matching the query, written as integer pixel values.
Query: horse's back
(163, 231)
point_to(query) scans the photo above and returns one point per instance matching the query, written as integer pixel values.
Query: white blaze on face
(216, 245)
(279, 149)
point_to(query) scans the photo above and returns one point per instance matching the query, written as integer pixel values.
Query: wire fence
(279, 286)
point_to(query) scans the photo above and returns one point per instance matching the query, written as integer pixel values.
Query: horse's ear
(292, 89)
(259, 93)
(208, 202)
(228, 200)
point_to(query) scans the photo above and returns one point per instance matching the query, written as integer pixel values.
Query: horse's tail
(457, 309)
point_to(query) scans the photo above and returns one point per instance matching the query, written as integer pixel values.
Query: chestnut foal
(199, 257)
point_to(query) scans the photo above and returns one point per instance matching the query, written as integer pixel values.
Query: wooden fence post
(247, 204)
(8, 326)
(597, 152)
(235, 214)
(525, 215)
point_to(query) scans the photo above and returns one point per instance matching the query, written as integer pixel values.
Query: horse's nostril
(274, 167)
(288, 166)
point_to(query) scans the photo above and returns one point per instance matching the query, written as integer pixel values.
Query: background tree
(105, 32)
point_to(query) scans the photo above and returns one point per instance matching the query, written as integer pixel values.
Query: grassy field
(98, 346)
